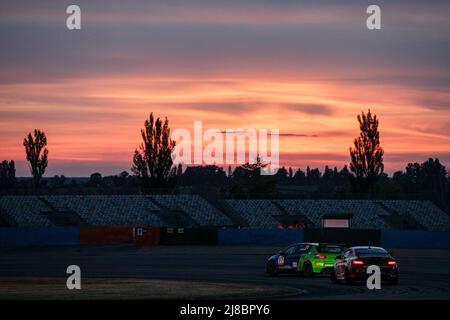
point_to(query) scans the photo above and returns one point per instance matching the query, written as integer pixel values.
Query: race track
(424, 274)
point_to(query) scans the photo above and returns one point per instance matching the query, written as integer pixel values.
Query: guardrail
(65, 236)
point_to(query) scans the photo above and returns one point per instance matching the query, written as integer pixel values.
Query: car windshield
(362, 251)
(330, 249)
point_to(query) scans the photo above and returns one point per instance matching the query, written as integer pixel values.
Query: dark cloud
(310, 108)
(300, 135)
(36, 47)
(63, 116)
(237, 107)
(295, 135)
(434, 103)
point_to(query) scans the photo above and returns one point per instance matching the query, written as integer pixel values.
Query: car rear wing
(324, 245)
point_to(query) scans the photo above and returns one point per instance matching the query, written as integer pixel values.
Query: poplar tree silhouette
(153, 160)
(366, 155)
(37, 154)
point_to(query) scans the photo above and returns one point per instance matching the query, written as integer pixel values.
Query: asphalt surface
(424, 274)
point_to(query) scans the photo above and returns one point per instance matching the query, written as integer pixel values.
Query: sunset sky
(306, 68)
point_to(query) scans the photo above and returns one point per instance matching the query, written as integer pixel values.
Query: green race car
(318, 258)
(305, 258)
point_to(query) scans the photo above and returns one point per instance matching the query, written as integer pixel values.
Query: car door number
(280, 260)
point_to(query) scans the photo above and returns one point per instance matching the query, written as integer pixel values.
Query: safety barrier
(411, 239)
(106, 235)
(54, 236)
(45, 236)
(259, 236)
(146, 236)
(188, 236)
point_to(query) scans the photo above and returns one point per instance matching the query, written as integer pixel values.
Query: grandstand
(23, 211)
(425, 213)
(203, 213)
(186, 210)
(116, 210)
(257, 213)
(364, 214)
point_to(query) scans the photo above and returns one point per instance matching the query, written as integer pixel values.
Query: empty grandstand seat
(196, 207)
(144, 210)
(424, 212)
(25, 211)
(258, 213)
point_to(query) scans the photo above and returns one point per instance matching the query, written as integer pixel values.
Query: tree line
(153, 171)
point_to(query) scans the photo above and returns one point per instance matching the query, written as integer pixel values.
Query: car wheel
(348, 280)
(272, 269)
(307, 269)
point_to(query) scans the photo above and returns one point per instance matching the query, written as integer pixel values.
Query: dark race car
(352, 265)
(286, 261)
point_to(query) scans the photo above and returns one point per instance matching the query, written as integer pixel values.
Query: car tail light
(358, 262)
(320, 256)
(392, 263)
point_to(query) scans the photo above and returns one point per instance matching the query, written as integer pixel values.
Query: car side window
(347, 254)
(290, 250)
